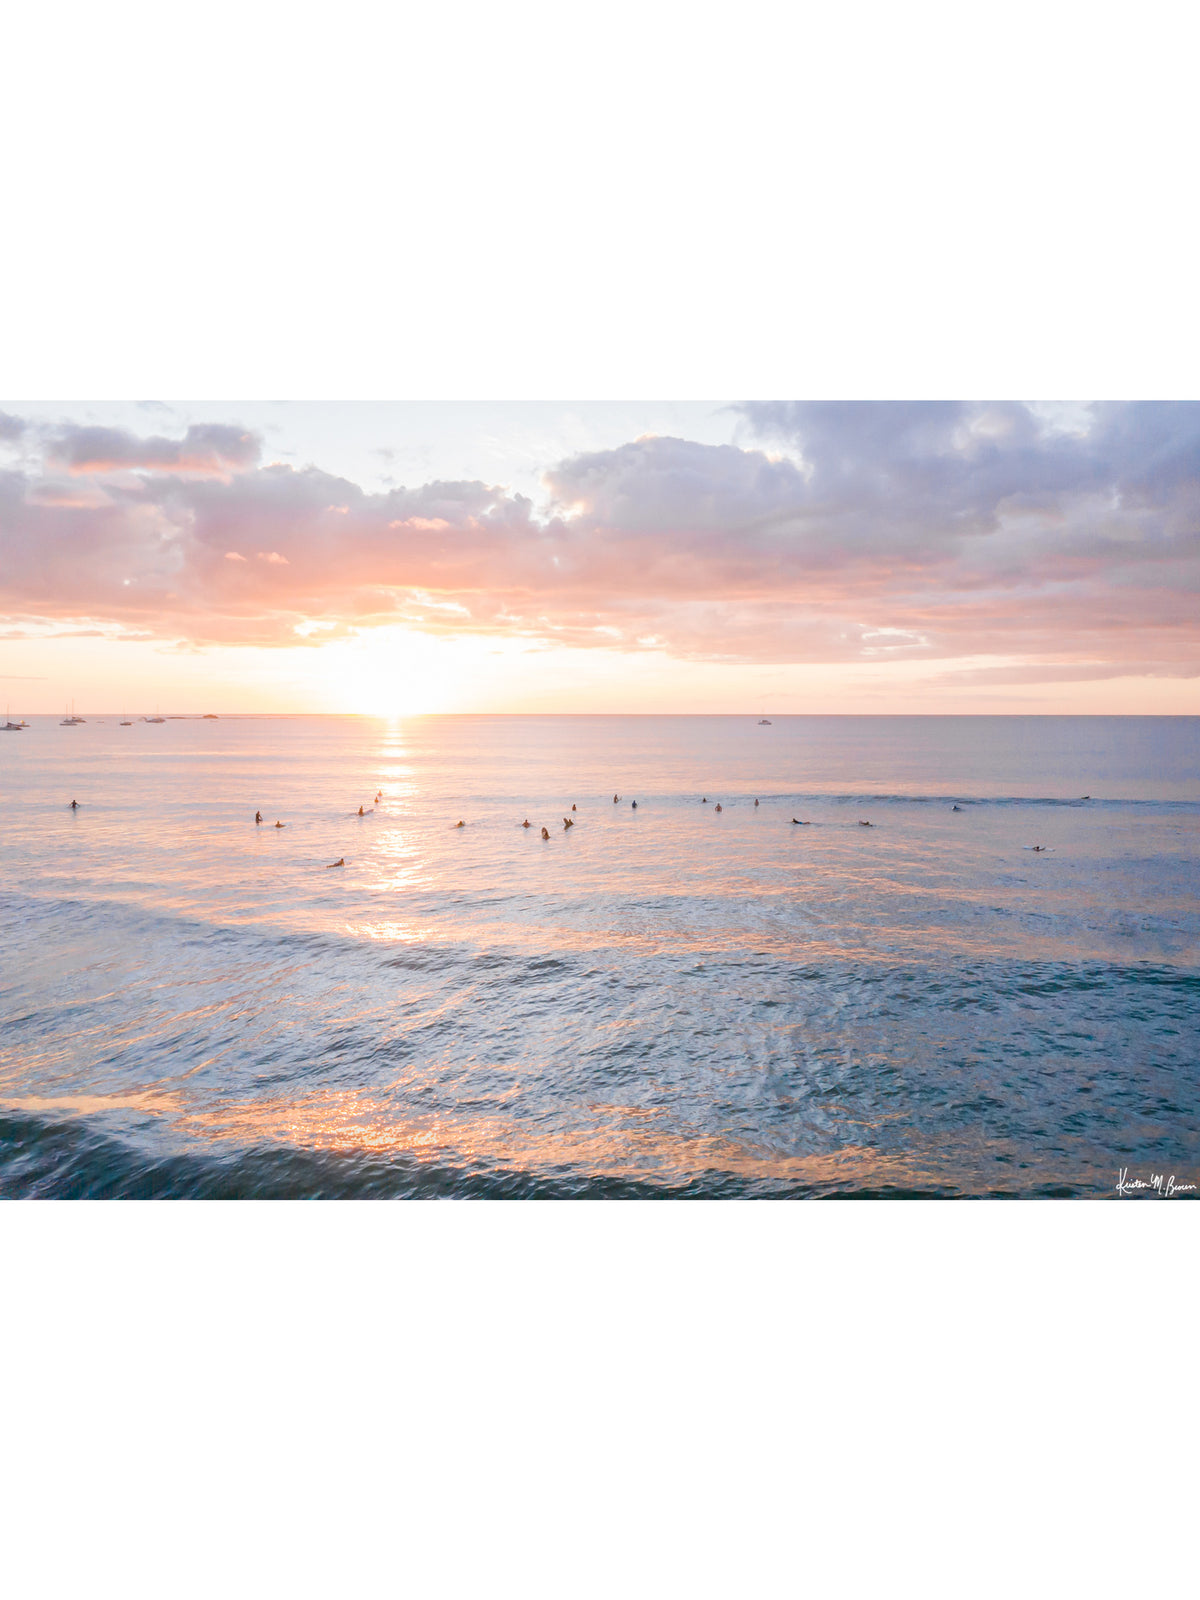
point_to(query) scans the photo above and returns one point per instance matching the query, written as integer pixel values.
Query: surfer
(800, 824)
(361, 812)
(460, 824)
(720, 807)
(74, 805)
(756, 802)
(863, 824)
(281, 824)
(956, 808)
(545, 833)
(258, 816)
(633, 803)
(340, 862)
(527, 823)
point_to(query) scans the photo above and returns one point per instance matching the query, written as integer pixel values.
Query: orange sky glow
(871, 557)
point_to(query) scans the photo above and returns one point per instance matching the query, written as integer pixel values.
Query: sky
(745, 557)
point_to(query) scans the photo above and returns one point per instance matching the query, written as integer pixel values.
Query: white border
(633, 1399)
(543, 201)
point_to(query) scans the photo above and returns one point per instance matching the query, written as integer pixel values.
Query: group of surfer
(362, 812)
(799, 822)
(568, 822)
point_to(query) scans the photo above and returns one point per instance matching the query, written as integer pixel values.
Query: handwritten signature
(1163, 1186)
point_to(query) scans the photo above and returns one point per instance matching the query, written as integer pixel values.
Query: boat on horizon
(764, 722)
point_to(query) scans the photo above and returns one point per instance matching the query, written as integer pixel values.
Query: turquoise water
(660, 1000)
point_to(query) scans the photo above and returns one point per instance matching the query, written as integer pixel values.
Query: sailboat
(71, 720)
(10, 726)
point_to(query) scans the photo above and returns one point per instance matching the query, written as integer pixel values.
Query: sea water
(665, 999)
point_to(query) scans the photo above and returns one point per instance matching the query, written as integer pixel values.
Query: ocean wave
(45, 1158)
(1108, 802)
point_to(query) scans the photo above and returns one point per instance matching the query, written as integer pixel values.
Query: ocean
(693, 996)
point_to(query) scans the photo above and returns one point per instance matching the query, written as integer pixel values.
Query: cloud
(11, 428)
(68, 492)
(206, 448)
(1070, 672)
(869, 532)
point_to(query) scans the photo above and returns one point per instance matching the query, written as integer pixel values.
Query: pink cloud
(206, 448)
(878, 533)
